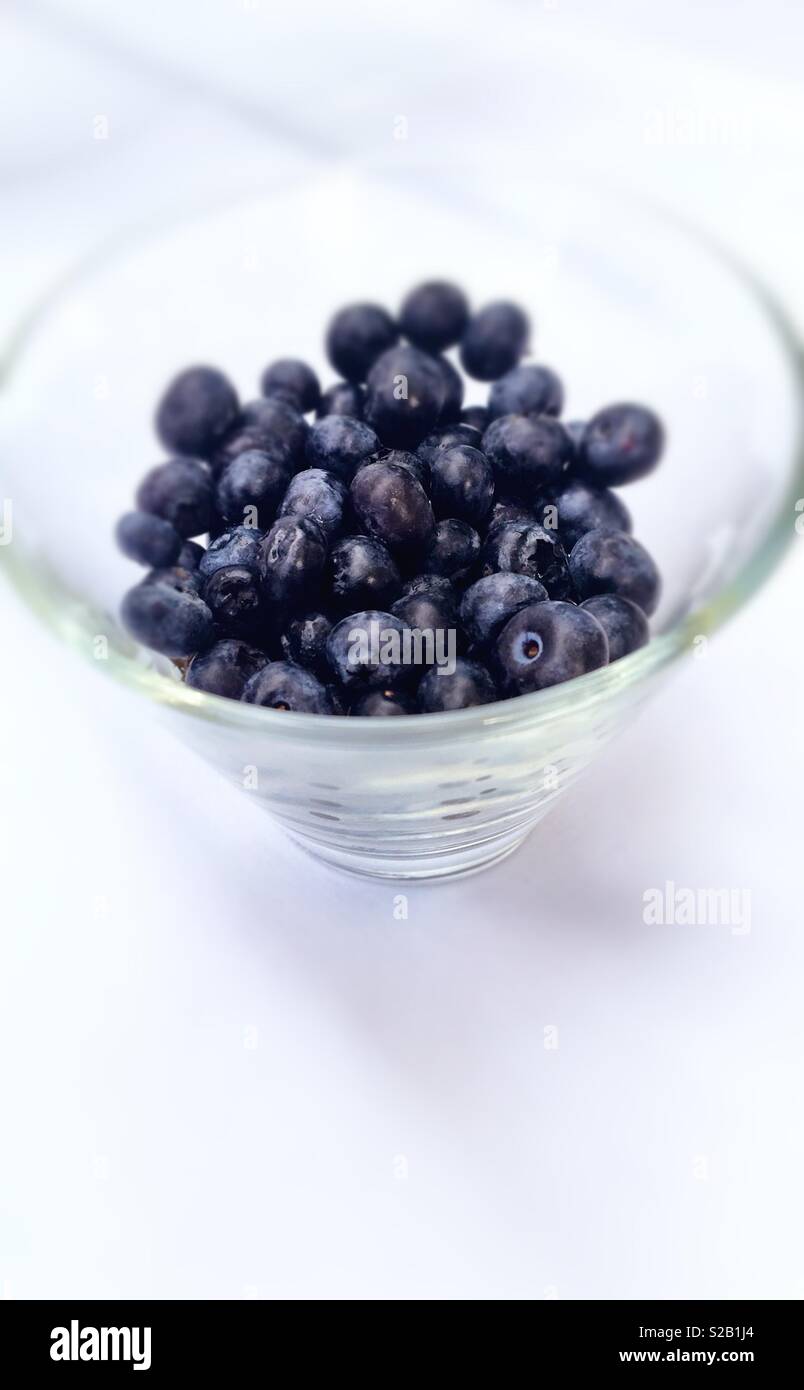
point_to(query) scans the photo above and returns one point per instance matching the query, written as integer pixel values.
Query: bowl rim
(65, 614)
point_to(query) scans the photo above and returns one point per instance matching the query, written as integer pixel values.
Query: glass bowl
(628, 304)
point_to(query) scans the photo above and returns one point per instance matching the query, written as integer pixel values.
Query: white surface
(227, 1071)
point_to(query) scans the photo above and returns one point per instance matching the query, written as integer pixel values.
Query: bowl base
(443, 867)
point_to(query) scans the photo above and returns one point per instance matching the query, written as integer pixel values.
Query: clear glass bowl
(628, 304)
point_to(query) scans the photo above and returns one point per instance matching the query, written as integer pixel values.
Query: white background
(227, 1071)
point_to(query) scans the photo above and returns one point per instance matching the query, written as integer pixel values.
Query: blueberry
(620, 444)
(292, 381)
(280, 426)
(523, 547)
(477, 416)
(547, 643)
(344, 398)
(445, 437)
(190, 556)
(431, 583)
(362, 572)
(340, 444)
(233, 596)
(453, 391)
(469, 684)
(318, 494)
(454, 551)
(625, 625)
(166, 613)
(292, 560)
(612, 562)
(255, 482)
(281, 685)
(225, 668)
(198, 406)
(176, 577)
(367, 651)
(404, 459)
(147, 539)
(240, 545)
(304, 642)
(434, 315)
(406, 394)
(382, 703)
(431, 613)
(489, 603)
(462, 484)
(582, 508)
(180, 491)
(494, 341)
(529, 453)
(356, 337)
(504, 512)
(393, 507)
(527, 390)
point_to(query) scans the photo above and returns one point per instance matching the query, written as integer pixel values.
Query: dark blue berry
(477, 416)
(527, 390)
(582, 508)
(529, 453)
(490, 602)
(356, 337)
(462, 484)
(434, 315)
(283, 686)
(318, 494)
(404, 459)
(620, 444)
(446, 437)
(361, 573)
(379, 704)
(292, 560)
(393, 507)
(523, 547)
(225, 668)
(406, 394)
(240, 545)
(272, 426)
(454, 550)
(166, 613)
(233, 597)
(431, 613)
(344, 398)
(453, 391)
(504, 512)
(340, 444)
(190, 556)
(197, 408)
(176, 577)
(280, 427)
(147, 539)
(469, 684)
(304, 642)
(254, 483)
(494, 341)
(624, 624)
(612, 562)
(292, 381)
(431, 583)
(367, 651)
(547, 643)
(180, 491)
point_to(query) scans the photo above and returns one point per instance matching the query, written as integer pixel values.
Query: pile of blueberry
(396, 507)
